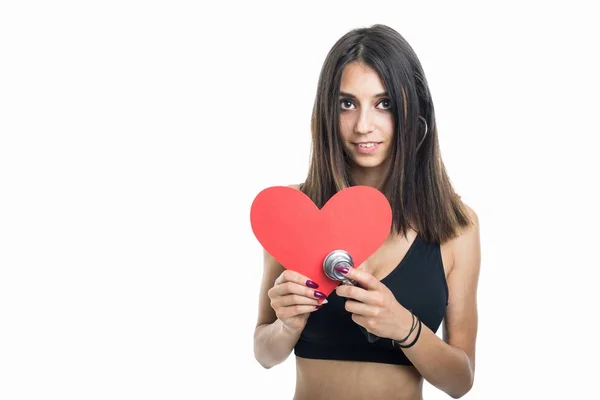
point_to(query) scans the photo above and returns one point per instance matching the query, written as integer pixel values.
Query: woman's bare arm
(286, 300)
(449, 364)
(273, 343)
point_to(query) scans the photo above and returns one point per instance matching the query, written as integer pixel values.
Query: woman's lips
(370, 148)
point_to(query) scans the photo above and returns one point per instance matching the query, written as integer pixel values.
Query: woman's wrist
(406, 327)
(287, 331)
(410, 339)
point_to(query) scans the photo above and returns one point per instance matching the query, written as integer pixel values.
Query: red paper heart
(299, 236)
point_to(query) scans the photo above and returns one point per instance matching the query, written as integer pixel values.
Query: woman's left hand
(374, 306)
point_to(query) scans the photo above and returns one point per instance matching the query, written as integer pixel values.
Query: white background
(135, 135)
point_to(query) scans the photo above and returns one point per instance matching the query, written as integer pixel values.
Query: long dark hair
(416, 183)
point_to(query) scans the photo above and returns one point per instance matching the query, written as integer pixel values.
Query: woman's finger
(294, 299)
(293, 276)
(292, 311)
(358, 308)
(288, 288)
(356, 293)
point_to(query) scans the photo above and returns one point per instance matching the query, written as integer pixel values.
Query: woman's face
(366, 121)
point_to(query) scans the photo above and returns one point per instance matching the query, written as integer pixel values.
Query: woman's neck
(366, 176)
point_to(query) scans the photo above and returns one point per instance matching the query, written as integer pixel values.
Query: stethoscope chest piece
(337, 258)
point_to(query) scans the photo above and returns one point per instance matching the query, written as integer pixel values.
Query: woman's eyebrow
(354, 97)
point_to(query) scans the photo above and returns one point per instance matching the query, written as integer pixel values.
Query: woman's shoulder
(466, 244)
(473, 217)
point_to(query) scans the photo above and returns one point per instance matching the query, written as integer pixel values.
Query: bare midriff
(332, 379)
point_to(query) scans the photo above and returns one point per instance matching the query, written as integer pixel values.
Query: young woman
(373, 124)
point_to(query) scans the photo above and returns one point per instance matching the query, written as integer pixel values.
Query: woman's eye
(387, 103)
(345, 102)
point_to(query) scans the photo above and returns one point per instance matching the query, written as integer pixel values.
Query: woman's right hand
(293, 297)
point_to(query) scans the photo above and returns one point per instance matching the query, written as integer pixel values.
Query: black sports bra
(418, 283)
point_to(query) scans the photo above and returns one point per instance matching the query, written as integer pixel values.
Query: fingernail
(311, 284)
(319, 306)
(319, 294)
(343, 270)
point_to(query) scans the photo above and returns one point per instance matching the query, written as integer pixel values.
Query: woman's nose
(364, 123)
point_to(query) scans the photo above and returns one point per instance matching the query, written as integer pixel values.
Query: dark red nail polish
(319, 306)
(311, 284)
(341, 269)
(319, 295)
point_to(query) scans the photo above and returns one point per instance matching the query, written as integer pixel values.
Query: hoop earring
(424, 135)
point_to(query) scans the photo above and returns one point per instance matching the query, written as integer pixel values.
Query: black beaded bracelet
(414, 341)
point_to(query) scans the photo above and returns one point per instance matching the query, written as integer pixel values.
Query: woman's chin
(367, 164)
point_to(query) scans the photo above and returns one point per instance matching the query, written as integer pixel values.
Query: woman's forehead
(361, 80)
